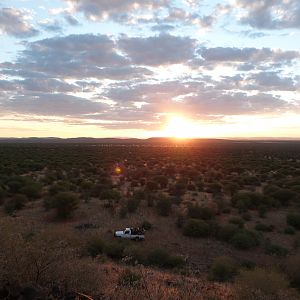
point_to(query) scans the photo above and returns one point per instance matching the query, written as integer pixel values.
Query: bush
(134, 254)
(94, 246)
(237, 221)
(245, 239)
(32, 191)
(284, 196)
(180, 220)
(275, 250)
(110, 194)
(227, 231)
(262, 210)
(164, 205)
(248, 264)
(292, 269)
(196, 228)
(247, 200)
(129, 278)
(175, 261)
(198, 212)
(65, 204)
(264, 227)
(146, 225)
(290, 230)
(133, 204)
(2, 195)
(246, 216)
(163, 259)
(158, 258)
(263, 284)
(223, 269)
(123, 212)
(17, 202)
(293, 219)
(114, 250)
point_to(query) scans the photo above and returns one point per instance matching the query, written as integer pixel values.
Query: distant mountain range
(136, 141)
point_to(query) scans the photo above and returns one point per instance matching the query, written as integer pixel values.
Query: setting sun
(180, 127)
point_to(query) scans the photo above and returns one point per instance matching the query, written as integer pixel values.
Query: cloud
(79, 56)
(270, 14)
(15, 22)
(118, 10)
(158, 50)
(224, 54)
(45, 104)
(48, 73)
(51, 25)
(163, 28)
(71, 20)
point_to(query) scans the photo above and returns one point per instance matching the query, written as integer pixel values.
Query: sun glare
(179, 127)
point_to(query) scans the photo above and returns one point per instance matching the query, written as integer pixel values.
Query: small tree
(65, 204)
(223, 269)
(263, 284)
(164, 205)
(293, 219)
(196, 228)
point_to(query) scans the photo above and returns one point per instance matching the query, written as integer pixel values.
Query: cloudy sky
(125, 68)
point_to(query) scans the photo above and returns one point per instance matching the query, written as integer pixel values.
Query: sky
(125, 68)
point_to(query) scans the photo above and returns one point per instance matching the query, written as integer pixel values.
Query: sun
(180, 127)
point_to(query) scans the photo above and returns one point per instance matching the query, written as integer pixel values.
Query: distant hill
(136, 141)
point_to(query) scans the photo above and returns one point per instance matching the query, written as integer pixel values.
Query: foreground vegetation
(222, 221)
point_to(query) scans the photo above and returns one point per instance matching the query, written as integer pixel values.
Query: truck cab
(131, 234)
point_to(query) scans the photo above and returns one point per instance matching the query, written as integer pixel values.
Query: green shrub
(129, 278)
(16, 183)
(17, 202)
(123, 212)
(237, 221)
(264, 227)
(198, 212)
(180, 220)
(32, 191)
(262, 284)
(246, 216)
(227, 231)
(175, 261)
(146, 225)
(275, 250)
(2, 195)
(262, 210)
(94, 246)
(110, 194)
(245, 239)
(293, 219)
(296, 243)
(135, 254)
(133, 204)
(292, 269)
(65, 203)
(226, 210)
(290, 230)
(163, 259)
(247, 200)
(284, 196)
(248, 264)
(164, 206)
(223, 269)
(115, 249)
(196, 228)
(158, 258)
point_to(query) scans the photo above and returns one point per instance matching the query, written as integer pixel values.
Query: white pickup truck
(131, 234)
